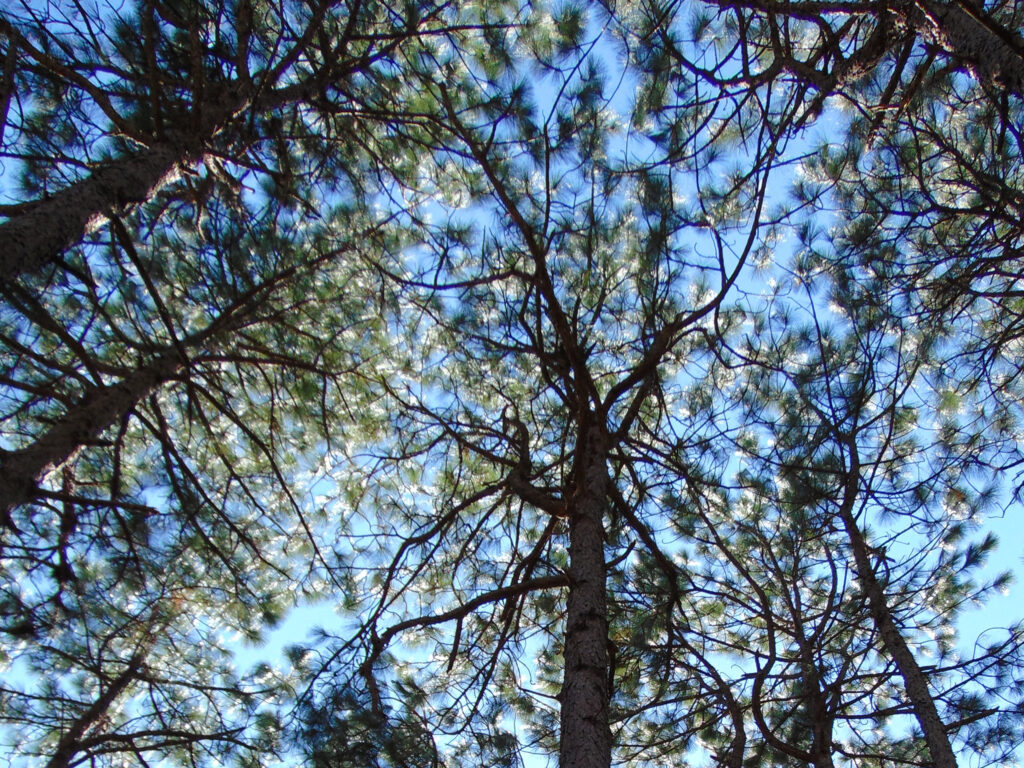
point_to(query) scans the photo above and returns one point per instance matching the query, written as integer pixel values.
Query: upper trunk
(37, 237)
(98, 409)
(31, 240)
(586, 736)
(102, 406)
(994, 54)
(821, 721)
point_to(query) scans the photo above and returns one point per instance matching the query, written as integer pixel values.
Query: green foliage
(436, 285)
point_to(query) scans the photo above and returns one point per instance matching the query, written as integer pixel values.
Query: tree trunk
(914, 680)
(31, 240)
(817, 706)
(586, 740)
(22, 470)
(99, 409)
(994, 54)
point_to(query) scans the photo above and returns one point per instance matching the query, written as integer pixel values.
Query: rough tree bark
(994, 54)
(104, 405)
(961, 29)
(586, 740)
(100, 408)
(37, 237)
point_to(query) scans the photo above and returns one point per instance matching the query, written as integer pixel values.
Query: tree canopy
(635, 381)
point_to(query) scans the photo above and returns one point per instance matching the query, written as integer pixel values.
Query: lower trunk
(586, 740)
(914, 680)
(89, 418)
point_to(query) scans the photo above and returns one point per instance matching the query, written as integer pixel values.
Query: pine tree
(606, 446)
(179, 98)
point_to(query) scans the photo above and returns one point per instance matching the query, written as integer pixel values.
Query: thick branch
(914, 679)
(70, 741)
